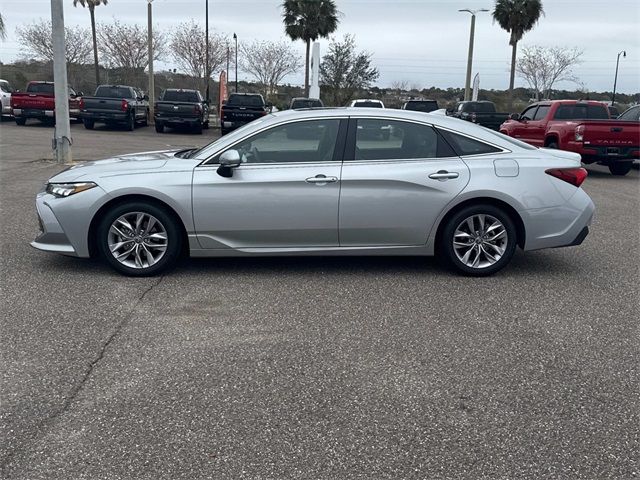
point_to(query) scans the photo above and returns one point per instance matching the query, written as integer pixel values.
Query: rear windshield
(421, 106)
(113, 92)
(581, 112)
(178, 96)
(305, 103)
(40, 88)
(246, 100)
(480, 107)
(368, 104)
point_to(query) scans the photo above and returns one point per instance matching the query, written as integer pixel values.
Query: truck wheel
(145, 122)
(159, 127)
(620, 168)
(131, 123)
(21, 121)
(479, 240)
(223, 131)
(205, 125)
(88, 124)
(553, 145)
(198, 128)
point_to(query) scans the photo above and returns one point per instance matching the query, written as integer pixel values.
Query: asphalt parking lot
(329, 368)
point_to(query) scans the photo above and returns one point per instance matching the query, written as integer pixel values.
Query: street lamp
(615, 81)
(235, 37)
(150, 47)
(467, 85)
(206, 45)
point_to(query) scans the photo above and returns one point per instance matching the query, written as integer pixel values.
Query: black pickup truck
(181, 108)
(114, 104)
(240, 109)
(482, 112)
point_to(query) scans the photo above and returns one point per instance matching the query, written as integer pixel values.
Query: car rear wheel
(131, 123)
(620, 168)
(159, 127)
(88, 124)
(139, 239)
(198, 128)
(479, 240)
(145, 121)
(21, 121)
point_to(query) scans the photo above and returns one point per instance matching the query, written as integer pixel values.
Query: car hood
(122, 164)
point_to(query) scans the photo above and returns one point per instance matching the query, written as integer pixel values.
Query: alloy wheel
(480, 241)
(137, 240)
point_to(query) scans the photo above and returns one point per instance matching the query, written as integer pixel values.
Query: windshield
(178, 96)
(633, 114)
(40, 88)
(246, 100)
(113, 92)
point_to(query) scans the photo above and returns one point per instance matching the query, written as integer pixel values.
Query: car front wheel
(139, 239)
(479, 240)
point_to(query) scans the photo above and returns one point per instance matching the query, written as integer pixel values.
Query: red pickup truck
(582, 127)
(38, 102)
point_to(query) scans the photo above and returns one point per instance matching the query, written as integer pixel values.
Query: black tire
(449, 253)
(88, 124)
(223, 131)
(198, 128)
(131, 122)
(145, 120)
(620, 169)
(205, 125)
(21, 121)
(159, 127)
(553, 145)
(164, 218)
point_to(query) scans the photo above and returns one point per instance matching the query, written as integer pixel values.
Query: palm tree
(517, 17)
(3, 29)
(92, 4)
(308, 20)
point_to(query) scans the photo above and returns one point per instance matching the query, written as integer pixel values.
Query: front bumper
(52, 237)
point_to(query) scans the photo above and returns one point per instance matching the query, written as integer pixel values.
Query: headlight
(68, 189)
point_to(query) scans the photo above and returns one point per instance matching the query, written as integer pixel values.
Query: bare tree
(542, 67)
(344, 71)
(188, 49)
(3, 28)
(268, 62)
(36, 39)
(124, 47)
(400, 85)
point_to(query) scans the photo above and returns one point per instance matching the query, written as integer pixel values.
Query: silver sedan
(351, 181)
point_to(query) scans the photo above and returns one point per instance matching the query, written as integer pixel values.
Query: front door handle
(444, 175)
(321, 179)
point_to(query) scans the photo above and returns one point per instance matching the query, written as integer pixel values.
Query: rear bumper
(33, 113)
(109, 117)
(605, 154)
(188, 121)
(560, 226)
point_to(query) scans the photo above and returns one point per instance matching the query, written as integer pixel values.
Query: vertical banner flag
(223, 94)
(476, 87)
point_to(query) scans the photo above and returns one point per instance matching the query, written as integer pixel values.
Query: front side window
(311, 141)
(542, 112)
(529, 113)
(378, 139)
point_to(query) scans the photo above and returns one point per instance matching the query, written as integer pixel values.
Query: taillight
(574, 176)
(474, 117)
(579, 133)
(124, 106)
(155, 106)
(81, 104)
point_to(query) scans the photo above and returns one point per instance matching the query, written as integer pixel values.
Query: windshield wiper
(183, 153)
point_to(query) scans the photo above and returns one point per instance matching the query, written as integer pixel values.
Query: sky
(422, 42)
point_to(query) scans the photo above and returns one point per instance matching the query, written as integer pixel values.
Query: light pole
(62, 132)
(235, 37)
(150, 46)
(467, 85)
(206, 45)
(615, 81)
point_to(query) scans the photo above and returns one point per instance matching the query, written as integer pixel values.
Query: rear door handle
(444, 175)
(321, 179)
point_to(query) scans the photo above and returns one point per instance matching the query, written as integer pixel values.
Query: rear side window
(468, 146)
(378, 139)
(113, 92)
(177, 96)
(480, 107)
(581, 112)
(40, 88)
(246, 101)
(542, 112)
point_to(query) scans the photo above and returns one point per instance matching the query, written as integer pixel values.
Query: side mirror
(146, 97)
(228, 161)
(80, 94)
(224, 102)
(515, 116)
(73, 95)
